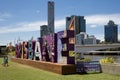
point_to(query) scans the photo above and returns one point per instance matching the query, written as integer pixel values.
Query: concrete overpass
(92, 48)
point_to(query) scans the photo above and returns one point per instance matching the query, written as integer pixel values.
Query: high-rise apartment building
(51, 17)
(79, 23)
(111, 32)
(44, 30)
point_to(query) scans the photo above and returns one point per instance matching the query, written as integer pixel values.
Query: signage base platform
(62, 69)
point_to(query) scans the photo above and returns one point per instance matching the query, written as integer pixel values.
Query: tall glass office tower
(111, 32)
(50, 17)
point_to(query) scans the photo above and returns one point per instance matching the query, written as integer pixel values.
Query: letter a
(37, 50)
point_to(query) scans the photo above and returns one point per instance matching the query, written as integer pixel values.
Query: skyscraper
(51, 17)
(79, 23)
(111, 32)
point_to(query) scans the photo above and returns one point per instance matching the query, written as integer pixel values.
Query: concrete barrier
(53, 67)
(111, 68)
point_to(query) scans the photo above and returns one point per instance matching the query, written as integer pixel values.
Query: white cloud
(93, 26)
(102, 19)
(4, 16)
(22, 27)
(92, 20)
(60, 24)
(100, 37)
(37, 11)
(30, 26)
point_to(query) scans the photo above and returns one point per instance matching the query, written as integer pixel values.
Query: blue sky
(22, 18)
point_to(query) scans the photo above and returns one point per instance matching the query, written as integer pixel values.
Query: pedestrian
(5, 61)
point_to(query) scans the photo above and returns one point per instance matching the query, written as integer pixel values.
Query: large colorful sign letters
(44, 49)
(52, 48)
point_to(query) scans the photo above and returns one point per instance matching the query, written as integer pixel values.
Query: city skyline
(24, 18)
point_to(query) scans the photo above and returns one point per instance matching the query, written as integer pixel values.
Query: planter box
(111, 68)
(88, 67)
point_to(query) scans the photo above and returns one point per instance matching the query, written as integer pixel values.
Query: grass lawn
(17, 71)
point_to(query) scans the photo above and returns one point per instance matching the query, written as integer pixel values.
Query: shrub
(107, 60)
